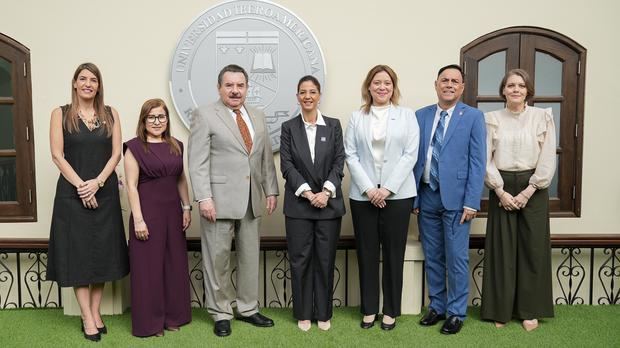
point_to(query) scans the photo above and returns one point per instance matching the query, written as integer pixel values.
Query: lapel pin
(461, 113)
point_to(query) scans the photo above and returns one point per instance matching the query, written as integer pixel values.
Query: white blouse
(520, 141)
(378, 125)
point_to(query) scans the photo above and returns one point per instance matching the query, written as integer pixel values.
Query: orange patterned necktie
(244, 130)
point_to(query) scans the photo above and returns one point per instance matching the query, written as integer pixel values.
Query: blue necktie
(436, 144)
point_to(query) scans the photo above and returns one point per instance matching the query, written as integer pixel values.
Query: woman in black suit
(312, 161)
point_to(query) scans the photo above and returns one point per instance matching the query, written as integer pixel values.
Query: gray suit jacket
(220, 166)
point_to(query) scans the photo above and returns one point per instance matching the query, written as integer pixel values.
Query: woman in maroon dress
(160, 214)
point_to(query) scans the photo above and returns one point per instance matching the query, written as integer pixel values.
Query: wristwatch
(100, 182)
(187, 207)
(327, 192)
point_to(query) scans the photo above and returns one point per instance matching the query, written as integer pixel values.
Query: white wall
(132, 43)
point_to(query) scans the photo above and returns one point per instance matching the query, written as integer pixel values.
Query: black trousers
(381, 230)
(312, 254)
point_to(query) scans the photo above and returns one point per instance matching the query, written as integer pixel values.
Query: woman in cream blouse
(521, 161)
(381, 146)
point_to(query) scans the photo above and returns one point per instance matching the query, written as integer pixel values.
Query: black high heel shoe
(365, 325)
(388, 327)
(102, 330)
(94, 337)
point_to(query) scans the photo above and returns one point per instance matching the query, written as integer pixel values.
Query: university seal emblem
(272, 44)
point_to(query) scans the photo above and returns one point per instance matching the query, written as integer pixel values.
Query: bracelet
(187, 207)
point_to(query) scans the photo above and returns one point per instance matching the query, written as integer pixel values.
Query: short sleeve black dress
(87, 246)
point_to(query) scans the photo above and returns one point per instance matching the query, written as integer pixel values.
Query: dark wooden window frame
(25, 208)
(520, 44)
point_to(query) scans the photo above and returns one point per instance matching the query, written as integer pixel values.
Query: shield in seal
(272, 44)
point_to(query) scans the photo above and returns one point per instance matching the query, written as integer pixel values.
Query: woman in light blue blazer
(381, 146)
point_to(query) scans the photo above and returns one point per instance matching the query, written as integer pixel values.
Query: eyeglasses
(161, 118)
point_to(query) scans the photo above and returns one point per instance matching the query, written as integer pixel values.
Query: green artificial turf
(573, 326)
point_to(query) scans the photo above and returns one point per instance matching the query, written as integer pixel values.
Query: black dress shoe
(257, 319)
(431, 318)
(388, 327)
(365, 325)
(222, 328)
(452, 325)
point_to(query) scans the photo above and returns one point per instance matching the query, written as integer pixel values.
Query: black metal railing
(275, 279)
(27, 277)
(588, 272)
(601, 272)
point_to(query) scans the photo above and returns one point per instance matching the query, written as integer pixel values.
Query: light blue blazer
(400, 155)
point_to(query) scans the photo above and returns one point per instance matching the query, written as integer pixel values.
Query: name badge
(323, 139)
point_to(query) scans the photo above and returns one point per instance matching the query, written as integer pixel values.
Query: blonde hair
(371, 74)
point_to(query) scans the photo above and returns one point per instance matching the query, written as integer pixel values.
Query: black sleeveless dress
(87, 246)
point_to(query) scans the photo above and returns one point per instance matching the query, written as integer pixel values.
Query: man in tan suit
(231, 168)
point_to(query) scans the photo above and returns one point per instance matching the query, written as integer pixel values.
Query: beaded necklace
(91, 123)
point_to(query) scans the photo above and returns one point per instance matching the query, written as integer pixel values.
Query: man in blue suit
(450, 174)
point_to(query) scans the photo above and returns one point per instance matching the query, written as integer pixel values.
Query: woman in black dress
(87, 244)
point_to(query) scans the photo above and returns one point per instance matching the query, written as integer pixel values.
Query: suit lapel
(224, 115)
(256, 125)
(457, 116)
(428, 127)
(367, 130)
(390, 123)
(303, 148)
(320, 148)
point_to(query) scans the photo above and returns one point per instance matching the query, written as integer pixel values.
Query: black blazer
(297, 167)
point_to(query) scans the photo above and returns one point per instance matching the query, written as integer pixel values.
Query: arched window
(556, 64)
(17, 178)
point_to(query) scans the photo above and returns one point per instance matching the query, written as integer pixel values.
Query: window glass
(548, 81)
(490, 106)
(8, 179)
(6, 89)
(490, 73)
(7, 140)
